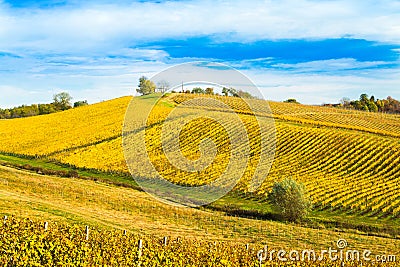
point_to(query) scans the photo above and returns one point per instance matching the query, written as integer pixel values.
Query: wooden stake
(140, 246)
(87, 232)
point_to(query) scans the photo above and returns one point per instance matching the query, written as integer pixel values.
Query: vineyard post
(5, 219)
(247, 246)
(140, 246)
(46, 225)
(124, 232)
(87, 232)
(165, 240)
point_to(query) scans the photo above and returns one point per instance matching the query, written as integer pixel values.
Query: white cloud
(97, 85)
(66, 47)
(92, 82)
(331, 65)
(325, 88)
(106, 27)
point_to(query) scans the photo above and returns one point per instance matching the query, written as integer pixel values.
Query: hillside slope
(349, 160)
(105, 207)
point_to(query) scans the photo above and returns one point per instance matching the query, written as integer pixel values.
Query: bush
(291, 100)
(289, 199)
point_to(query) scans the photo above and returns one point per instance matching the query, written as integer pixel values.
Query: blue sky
(315, 51)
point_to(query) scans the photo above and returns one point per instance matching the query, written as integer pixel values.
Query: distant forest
(61, 102)
(366, 103)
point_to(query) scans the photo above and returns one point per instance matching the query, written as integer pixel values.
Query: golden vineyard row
(343, 166)
(32, 243)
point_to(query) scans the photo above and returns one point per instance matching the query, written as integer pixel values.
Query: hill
(348, 160)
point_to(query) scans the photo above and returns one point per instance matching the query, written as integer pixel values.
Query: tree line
(366, 103)
(61, 102)
(146, 87)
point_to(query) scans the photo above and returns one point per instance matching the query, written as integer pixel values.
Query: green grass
(254, 207)
(53, 165)
(235, 203)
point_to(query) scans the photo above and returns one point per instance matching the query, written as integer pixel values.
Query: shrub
(289, 199)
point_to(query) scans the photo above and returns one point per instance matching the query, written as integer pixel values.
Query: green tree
(46, 109)
(225, 91)
(80, 103)
(62, 101)
(291, 100)
(364, 98)
(230, 92)
(372, 106)
(209, 91)
(233, 92)
(372, 99)
(380, 104)
(357, 104)
(289, 199)
(198, 90)
(146, 86)
(7, 114)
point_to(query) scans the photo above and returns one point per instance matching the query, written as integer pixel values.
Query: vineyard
(348, 160)
(25, 242)
(33, 243)
(118, 218)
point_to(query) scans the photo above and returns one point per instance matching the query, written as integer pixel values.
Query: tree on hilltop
(209, 91)
(291, 100)
(80, 104)
(62, 101)
(146, 86)
(229, 92)
(198, 90)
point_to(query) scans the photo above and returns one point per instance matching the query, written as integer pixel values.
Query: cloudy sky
(315, 51)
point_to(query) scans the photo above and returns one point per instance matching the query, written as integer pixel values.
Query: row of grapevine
(386, 124)
(32, 243)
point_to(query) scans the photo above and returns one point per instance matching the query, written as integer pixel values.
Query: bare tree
(345, 101)
(163, 86)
